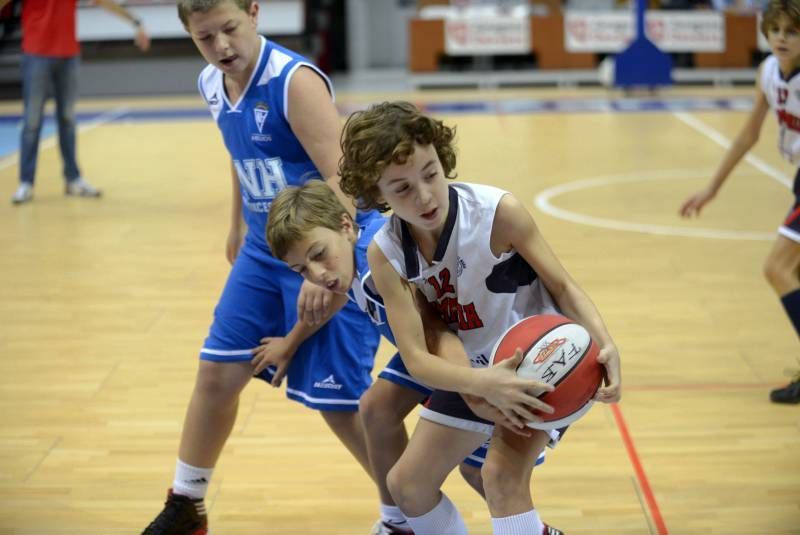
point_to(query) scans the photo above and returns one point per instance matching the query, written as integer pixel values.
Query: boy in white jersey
(311, 231)
(280, 127)
(477, 255)
(777, 87)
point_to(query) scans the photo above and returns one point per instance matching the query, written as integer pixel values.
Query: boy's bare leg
(212, 411)
(347, 426)
(472, 475)
(508, 469)
(383, 410)
(416, 478)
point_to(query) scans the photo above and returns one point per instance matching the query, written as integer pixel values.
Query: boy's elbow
(413, 362)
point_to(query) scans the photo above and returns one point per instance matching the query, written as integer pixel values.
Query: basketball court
(105, 304)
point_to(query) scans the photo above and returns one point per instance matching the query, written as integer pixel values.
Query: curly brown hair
(383, 135)
(776, 8)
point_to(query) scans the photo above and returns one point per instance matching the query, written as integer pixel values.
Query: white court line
(725, 143)
(542, 202)
(100, 120)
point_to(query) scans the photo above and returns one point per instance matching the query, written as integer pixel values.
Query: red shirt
(48, 28)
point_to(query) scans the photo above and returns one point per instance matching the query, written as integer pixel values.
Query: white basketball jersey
(477, 294)
(783, 97)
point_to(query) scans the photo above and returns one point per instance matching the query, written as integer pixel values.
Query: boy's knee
(213, 383)
(369, 407)
(378, 414)
(501, 482)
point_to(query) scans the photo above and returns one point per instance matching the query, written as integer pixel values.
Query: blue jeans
(41, 77)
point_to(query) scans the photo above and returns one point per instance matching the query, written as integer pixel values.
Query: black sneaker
(550, 530)
(181, 516)
(385, 528)
(789, 393)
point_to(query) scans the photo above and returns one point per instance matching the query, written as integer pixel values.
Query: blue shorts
(397, 373)
(330, 370)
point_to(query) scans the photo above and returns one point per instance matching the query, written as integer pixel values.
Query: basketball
(559, 352)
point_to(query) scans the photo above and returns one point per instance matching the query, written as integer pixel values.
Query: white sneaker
(384, 528)
(23, 194)
(80, 188)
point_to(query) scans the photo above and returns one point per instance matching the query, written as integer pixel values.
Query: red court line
(655, 513)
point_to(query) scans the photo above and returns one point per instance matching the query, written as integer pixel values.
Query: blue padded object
(642, 63)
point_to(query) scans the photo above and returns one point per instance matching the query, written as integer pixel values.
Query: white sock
(191, 481)
(521, 524)
(444, 519)
(392, 514)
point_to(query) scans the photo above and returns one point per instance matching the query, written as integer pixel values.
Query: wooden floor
(104, 305)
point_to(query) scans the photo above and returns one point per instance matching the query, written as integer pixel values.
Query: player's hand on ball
(512, 395)
(611, 390)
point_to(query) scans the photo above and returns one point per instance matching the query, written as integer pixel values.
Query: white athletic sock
(521, 524)
(392, 514)
(444, 519)
(191, 481)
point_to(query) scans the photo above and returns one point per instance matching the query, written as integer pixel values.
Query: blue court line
(9, 124)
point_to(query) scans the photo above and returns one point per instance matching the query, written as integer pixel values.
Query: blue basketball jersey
(265, 152)
(362, 291)
(331, 369)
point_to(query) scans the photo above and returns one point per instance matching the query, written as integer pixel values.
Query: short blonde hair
(776, 8)
(298, 209)
(187, 7)
(383, 135)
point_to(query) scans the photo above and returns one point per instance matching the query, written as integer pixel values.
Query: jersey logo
(260, 178)
(328, 383)
(260, 111)
(460, 267)
(783, 95)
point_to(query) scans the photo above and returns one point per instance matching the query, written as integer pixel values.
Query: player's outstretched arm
(141, 38)
(745, 140)
(514, 228)
(500, 385)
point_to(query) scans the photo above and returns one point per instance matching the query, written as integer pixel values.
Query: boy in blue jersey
(279, 124)
(310, 230)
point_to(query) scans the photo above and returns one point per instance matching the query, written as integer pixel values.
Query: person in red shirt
(50, 57)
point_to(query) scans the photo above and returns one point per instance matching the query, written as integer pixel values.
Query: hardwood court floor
(104, 305)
